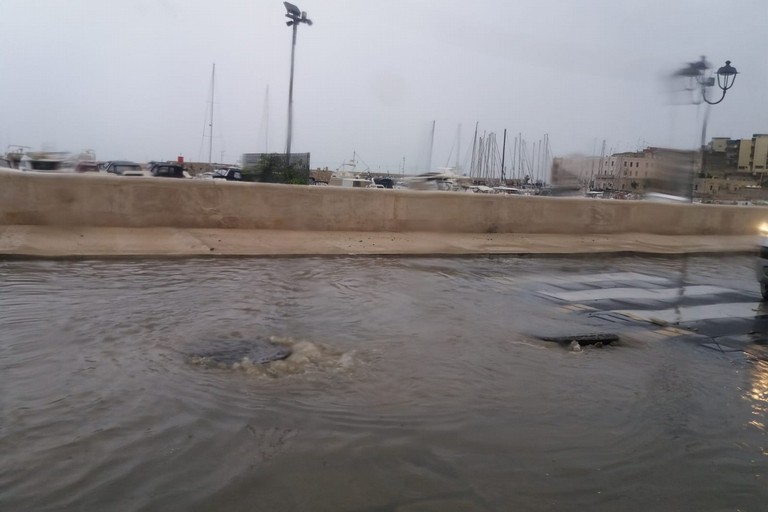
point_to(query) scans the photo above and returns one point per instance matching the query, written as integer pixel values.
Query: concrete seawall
(107, 201)
(59, 215)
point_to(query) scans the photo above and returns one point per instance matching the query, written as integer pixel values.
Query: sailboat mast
(210, 126)
(503, 155)
(514, 161)
(600, 167)
(458, 150)
(431, 144)
(474, 148)
(520, 163)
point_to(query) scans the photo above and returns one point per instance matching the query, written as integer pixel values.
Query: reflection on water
(412, 384)
(758, 394)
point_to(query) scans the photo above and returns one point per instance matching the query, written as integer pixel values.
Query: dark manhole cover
(230, 352)
(583, 339)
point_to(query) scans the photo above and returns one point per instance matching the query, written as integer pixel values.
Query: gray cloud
(131, 78)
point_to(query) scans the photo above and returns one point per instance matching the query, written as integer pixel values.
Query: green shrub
(272, 169)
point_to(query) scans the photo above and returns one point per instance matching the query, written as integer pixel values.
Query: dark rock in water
(230, 352)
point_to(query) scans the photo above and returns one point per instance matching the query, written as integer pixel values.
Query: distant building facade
(759, 153)
(741, 155)
(628, 171)
(575, 170)
(727, 167)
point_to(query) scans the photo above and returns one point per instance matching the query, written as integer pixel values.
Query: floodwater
(414, 384)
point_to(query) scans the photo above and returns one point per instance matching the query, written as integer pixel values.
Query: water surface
(414, 384)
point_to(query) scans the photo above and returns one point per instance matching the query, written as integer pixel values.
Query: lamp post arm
(704, 97)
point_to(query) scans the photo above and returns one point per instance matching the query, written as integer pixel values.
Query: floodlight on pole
(295, 16)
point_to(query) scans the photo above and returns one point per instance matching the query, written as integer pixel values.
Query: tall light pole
(700, 80)
(296, 16)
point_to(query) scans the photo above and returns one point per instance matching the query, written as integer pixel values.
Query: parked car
(762, 261)
(167, 170)
(229, 174)
(125, 168)
(87, 166)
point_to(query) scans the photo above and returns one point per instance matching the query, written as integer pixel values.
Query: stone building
(726, 168)
(627, 172)
(573, 170)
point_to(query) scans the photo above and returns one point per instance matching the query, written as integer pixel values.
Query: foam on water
(277, 357)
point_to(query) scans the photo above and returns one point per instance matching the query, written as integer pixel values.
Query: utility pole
(296, 16)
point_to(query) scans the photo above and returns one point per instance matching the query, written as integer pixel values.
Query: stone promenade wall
(110, 201)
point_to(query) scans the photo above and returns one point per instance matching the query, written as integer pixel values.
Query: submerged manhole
(583, 339)
(575, 341)
(231, 352)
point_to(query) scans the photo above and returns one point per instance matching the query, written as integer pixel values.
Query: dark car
(385, 182)
(230, 174)
(87, 166)
(167, 170)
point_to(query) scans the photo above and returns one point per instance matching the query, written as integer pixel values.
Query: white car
(762, 262)
(126, 168)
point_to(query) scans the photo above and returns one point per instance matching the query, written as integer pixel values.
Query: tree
(272, 169)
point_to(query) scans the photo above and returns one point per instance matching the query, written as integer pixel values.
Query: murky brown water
(412, 386)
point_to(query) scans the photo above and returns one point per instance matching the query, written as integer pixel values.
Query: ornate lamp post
(295, 16)
(700, 80)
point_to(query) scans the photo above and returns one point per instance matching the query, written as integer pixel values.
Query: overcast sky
(132, 78)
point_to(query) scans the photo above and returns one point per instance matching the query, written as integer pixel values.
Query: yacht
(46, 162)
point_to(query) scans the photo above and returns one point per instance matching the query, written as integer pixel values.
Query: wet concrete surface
(678, 306)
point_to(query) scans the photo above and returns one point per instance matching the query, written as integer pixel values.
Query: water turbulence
(273, 357)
